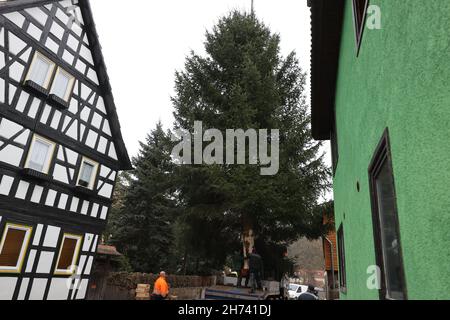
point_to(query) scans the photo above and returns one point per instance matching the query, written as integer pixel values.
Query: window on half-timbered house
(40, 154)
(63, 85)
(13, 247)
(87, 174)
(41, 71)
(68, 254)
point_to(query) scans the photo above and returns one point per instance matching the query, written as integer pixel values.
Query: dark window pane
(67, 253)
(9, 257)
(390, 239)
(359, 9)
(334, 146)
(341, 253)
(86, 174)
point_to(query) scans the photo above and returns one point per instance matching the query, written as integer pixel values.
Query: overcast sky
(144, 42)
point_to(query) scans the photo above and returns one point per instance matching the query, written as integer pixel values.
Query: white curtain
(39, 71)
(39, 155)
(60, 85)
(86, 172)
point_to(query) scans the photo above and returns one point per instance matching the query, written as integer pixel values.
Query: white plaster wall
(97, 120)
(59, 289)
(34, 31)
(89, 266)
(37, 234)
(63, 201)
(94, 211)
(23, 289)
(82, 289)
(38, 289)
(60, 174)
(101, 106)
(5, 185)
(23, 99)
(103, 143)
(81, 264)
(55, 120)
(73, 131)
(16, 17)
(104, 214)
(16, 70)
(45, 262)
(72, 156)
(85, 207)
(107, 128)
(106, 190)
(91, 139)
(12, 92)
(94, 246)
(37, 194)
(38, 14)
(52, 236)
(8, 128)
(34, 108)
(30, 261)
(15, 44)
(22, 190)
(7, 285)
(11, 155)
(51, 197)
(112, 151)
(2, 82)
(74, 204)
(88, 238)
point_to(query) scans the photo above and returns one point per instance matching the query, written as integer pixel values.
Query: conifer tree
(143, 223)
(244, 82)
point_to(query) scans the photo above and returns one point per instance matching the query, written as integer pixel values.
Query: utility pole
(253, 8)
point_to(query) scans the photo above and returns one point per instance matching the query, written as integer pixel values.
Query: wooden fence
(122, 286)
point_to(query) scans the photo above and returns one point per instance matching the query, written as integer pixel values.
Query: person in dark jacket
(309, 295)
(243, 273)
(256, 270)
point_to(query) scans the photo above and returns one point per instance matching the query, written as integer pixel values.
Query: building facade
(60, 148)
(330, 256)
(380, 76)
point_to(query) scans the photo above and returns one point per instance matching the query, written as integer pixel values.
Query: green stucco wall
(400, 80)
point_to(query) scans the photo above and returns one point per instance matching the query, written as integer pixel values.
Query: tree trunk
(185, 262)
(196, 265)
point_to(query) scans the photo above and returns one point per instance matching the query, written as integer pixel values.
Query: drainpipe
(332, 262)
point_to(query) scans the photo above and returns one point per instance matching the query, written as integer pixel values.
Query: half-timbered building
(60, 148)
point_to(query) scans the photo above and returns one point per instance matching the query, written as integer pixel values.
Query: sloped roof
(107, 250)
(326, 30)
(105, 85)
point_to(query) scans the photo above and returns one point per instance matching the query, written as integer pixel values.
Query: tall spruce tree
(143, 225)
(244, 82)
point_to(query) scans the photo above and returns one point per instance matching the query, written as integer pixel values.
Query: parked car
(295, 290)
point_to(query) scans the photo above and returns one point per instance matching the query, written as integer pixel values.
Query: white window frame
(50, 72)
(94, 172)
(49, 157)
(69, 89)
(72, 267)
(18, 267)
